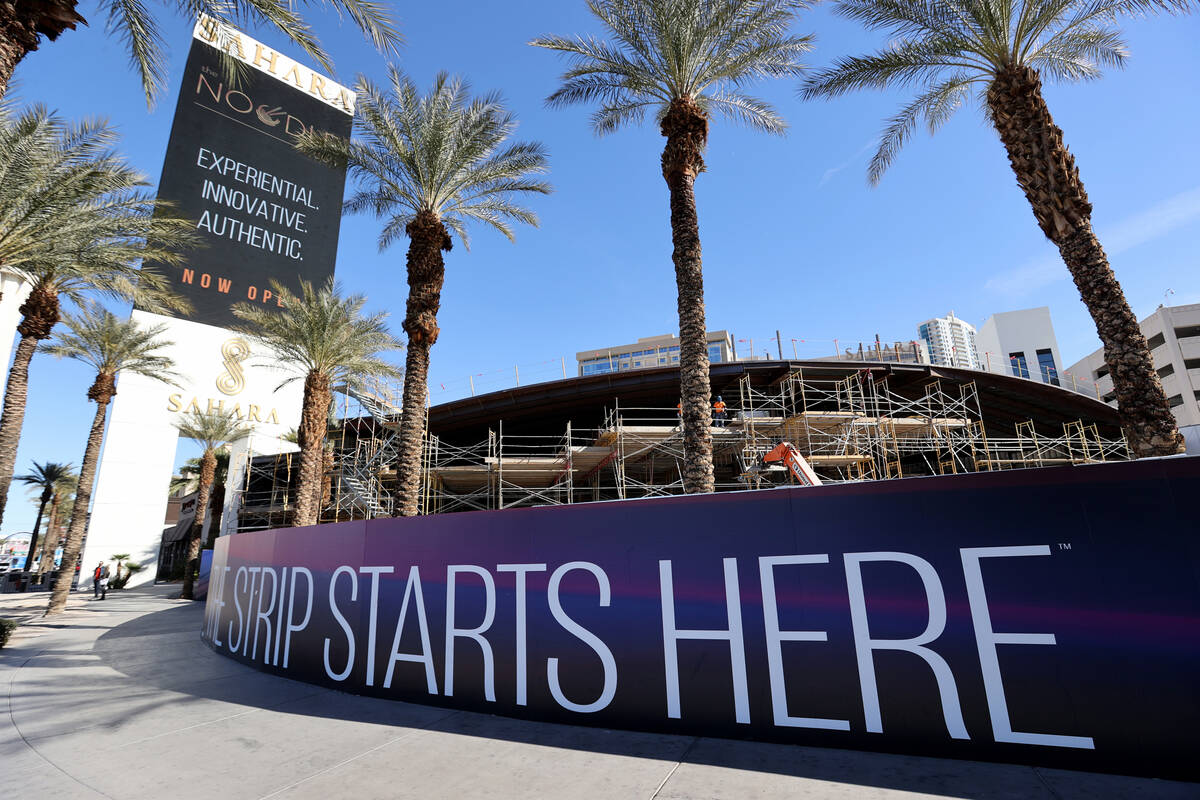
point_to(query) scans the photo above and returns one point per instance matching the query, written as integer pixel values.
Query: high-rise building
(1020, 343)
(1173, 334)
(950, 341)
(652, 351)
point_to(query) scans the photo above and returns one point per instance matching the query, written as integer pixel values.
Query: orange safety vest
(719, 407)
(96, 574)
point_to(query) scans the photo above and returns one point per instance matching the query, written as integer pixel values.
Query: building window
(1111, 397)
(1175, 400)
(1020, 367)
(1191, 363)
(1157, 340)
(1100, 373)
(1188, 332)
(1164, 371)
(714, 353)
(1046, 365)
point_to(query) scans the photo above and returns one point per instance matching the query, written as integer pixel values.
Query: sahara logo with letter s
(233, 353)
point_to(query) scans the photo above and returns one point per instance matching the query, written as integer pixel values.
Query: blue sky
(794, 238)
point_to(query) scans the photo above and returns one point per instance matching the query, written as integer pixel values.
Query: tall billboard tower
(263, 211)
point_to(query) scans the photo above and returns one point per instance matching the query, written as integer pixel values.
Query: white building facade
(129, 502)
(13, 292)
(1173, 334)
(1022, 344)
(950, 341)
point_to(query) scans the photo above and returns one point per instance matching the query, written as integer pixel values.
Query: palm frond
(936, 105)
(324, 332)
(77, 219)
(443, 151)
(660, 51)
(947, 46)
(211, 431)
(903, 64)
(48, 476)
(750, 111)
(111, 345)
(135, 23)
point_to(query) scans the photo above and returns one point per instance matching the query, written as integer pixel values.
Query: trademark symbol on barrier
(1064, 545)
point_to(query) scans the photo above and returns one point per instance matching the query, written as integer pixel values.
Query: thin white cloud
(1153, 223)
(829, 173)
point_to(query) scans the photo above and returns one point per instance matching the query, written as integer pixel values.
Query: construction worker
(719, 413)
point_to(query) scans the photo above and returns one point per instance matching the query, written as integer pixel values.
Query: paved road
(119, 699)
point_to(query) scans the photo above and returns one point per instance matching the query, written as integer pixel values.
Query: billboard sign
(897, 616)
(262, 210)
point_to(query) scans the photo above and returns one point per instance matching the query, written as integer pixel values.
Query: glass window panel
(1020, 367)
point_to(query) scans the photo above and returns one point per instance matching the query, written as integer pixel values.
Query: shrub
(7, 626)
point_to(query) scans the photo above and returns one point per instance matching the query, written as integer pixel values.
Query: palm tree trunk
(51, 523)
(218, 512)
(208, 466)
(33, 538)
(22, 22)
(40, 314)
(1048, 175)
(426, 274)
(102, 393)
(13, 417)
(686, 128)
(314, 422)
(324, 492)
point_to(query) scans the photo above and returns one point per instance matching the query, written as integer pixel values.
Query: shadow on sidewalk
(163, 650)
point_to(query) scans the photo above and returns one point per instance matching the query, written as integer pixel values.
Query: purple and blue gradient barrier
(200, 590)
(1047, 616)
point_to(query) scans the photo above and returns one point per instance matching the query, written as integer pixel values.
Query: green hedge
(7, 626)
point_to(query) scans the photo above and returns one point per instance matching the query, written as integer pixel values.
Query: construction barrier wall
(1042, 616)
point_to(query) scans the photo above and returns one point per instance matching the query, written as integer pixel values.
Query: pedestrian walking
(104, 574)
(97, 574)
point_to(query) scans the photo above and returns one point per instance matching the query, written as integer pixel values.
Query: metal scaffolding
(851, 428)
(359, 477)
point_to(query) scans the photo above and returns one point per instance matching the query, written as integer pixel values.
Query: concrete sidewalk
(119, 699)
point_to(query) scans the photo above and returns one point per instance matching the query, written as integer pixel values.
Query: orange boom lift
(796, 463)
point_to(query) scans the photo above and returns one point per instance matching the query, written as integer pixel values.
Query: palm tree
(120, 558)
(109, 345)
(75, 221)
(189, 481)
(23, 23)
(59, 497)
(213, 432)
(428, 165)
(684, 59)
(326, 340)
(46, 477)
(949, 47)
